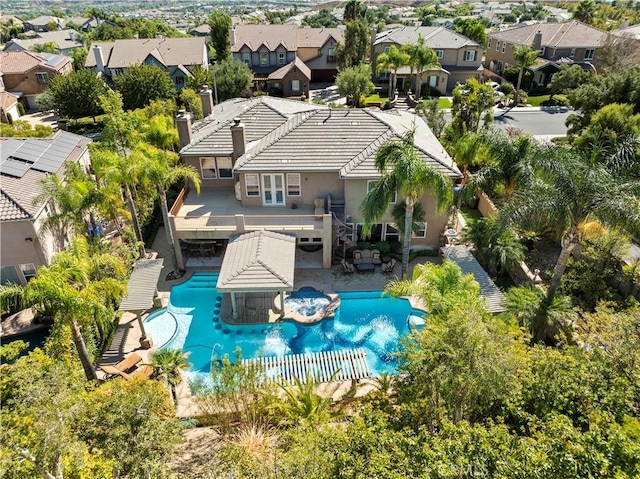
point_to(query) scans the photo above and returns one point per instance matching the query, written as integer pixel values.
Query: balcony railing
(247, 222)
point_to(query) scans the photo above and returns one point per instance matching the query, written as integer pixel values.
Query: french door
(273, 189)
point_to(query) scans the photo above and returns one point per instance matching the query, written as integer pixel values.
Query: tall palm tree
(391, 62)
(574, 187)
(525, 57)
(421, 59)
(79, 288)
(168, 364)
(402, 170)
(163, 170)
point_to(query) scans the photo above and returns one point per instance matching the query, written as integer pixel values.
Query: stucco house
(268, 49)
(282, 165)
(558, 43)
(23, 164)
(176, 56)
(65, 41)
(460, 58)
(27, 74)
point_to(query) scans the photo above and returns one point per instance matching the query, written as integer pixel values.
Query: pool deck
(127, 337)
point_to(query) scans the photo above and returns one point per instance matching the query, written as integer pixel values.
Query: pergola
(254, 265)
(141, 292)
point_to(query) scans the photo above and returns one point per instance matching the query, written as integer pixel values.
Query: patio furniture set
(365, 260)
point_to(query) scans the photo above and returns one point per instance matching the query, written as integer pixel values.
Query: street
(534, 121)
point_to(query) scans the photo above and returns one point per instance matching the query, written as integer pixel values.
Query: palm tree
(525, 57)
(162, 170)
(573, 188)
(168, 364)
(79, 288)
(585, 11)
(391, 62)
(421, 59)
(402, 169)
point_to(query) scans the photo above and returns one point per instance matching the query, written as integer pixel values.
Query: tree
(355, 82)
(569, 78)
(472, 102)
(191, 101)
(421, 58)
(525, 57)
(79, 56)
(168, 364)
(355, 49)
(610, 127)
(585, 11)
(471, 28)
(77, 94)
(433, 115)
(161, 170)
(616, 53)
(354, 10)
(199, 77)
(47, 47)
(233, 78)
(391, 62)
(143, 83)
(403, 171)
(574, 187)
(220, 23)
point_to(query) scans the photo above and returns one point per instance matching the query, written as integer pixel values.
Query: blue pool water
(363, 320)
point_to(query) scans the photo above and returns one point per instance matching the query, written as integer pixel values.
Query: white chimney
(72, 35)
(97, 52)
(183, 124)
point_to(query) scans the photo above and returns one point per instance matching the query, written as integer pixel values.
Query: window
(391, 233)
(371, 183)
(573, 53)
(375, 234)
(281, 58)
(179, 80)
(331, 55)
(252, 185)
(470, 56)
(212, 168)
(43, 78)
(543, 50)
(489, 44)
(421, 231)
(433, 81)
(348, 232)
(588, 55)
(386, 50)
(208, 168)
(264, 58)
(293, 184)
(497, 46)
(384, 75)
(295, 85)
(440, 54)
(28, 271)
(8, 274)
(273, 189)
(225, 167)
(246, 58)
(504, 46)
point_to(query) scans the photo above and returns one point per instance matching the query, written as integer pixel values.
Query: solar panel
(59, 150)
(30, 150)
(7, 148)
(15, 168)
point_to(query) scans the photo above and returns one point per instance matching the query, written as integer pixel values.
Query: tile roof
(23, 164)
(271, 36)
(435, 37)
(469, 265)
(286, 135)
(20, 62)
(170, 51)
(258, 261)
(7, 100)
(64, 39)
(554, 35)
(316, 37)
(280, 73)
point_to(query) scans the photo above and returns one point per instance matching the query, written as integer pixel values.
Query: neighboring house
(200, 31)
(269, 48)
(275, 164)
(460, 58)
(176, 56)
(626, 30)
(23, 164)
(27, 74)
(39, 24)
(8, 106)
(65, 41)
(558, 43)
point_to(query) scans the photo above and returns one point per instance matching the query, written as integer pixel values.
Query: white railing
(247, 222)
(301, 222)
(211, 223)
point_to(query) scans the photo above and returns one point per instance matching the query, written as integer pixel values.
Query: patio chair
(347, 267)
(123, 367)
(388, 267)
(142, 372)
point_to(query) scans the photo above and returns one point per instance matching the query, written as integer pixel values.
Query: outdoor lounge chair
(123, 367)
(388, 267)
(347, 267)
(142, 372)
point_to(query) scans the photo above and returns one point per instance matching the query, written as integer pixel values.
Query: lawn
(375, 98)
(470, 214)
(444, 103)
(537, 100)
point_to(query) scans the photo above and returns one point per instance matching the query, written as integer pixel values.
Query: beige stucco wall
(312, 186)
(16, 250)
(209, 182)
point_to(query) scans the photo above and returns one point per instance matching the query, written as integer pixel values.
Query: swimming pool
(363, 320)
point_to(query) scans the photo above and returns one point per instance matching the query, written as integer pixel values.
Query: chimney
(183, 124)
(72, 35)
(624, 24)
(537, 41)
(232, 36)
(207, 100)
(238, 138)
(97, 52)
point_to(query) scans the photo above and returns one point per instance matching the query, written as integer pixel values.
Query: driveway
(46, 118)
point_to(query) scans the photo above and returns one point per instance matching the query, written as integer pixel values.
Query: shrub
(9, 119)
(556, 100)
(21, 109)
(507, 88)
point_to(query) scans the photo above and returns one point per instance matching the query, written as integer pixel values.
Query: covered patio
(257, 267)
